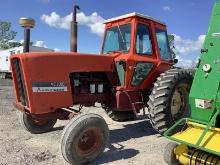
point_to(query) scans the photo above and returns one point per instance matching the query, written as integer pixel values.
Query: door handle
(132, 67)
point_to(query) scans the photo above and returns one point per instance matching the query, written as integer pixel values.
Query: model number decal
(49, 87)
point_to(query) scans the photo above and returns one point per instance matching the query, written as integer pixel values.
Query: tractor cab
(140, 46)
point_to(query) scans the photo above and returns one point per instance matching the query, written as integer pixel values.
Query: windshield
(163, 44)
(118, 39)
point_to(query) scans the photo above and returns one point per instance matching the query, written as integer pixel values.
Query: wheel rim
(89, 141)
(179, 101)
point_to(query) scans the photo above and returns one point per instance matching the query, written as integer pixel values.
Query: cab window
(143, 41)
(163, 44)
(118, 39)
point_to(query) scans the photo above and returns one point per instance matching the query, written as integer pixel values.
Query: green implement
(199, 135)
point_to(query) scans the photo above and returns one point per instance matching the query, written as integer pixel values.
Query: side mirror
(175, 61)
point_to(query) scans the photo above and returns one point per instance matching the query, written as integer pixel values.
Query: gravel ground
(131, 143)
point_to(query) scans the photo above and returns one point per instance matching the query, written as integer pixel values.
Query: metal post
(74, 30)
(26, 40)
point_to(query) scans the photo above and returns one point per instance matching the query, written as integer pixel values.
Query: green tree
(171, 39)
(7, 35)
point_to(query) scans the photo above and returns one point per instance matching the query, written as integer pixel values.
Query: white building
(5, 56)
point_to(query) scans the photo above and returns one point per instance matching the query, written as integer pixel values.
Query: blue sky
(187, 19)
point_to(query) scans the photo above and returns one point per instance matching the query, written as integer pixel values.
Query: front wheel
(168, 101)
(169, 155)
(34, 125)
(84, 139)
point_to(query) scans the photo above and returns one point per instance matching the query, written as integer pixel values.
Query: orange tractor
(133, 72)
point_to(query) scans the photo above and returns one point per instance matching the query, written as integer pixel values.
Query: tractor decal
(49, 87)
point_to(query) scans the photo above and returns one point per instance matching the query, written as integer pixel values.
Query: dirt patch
(131, 143)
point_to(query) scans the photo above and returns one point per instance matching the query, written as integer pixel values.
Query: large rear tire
(36, 126)
(84, 139)
(120, 116)
(168, 101)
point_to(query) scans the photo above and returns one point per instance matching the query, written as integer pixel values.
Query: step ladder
(133, 104)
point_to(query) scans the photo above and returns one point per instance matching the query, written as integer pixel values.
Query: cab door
(144, 57)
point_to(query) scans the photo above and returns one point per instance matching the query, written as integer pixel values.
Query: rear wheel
(120, 116)
(84, 139)
(36, 126)
(168, 101)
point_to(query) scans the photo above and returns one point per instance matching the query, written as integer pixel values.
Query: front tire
(36, 126)
(168, 101)
(169, 155)
(84, 139)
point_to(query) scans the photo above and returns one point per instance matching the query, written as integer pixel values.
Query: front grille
(17, 69)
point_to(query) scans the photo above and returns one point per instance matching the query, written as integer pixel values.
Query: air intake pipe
(74, 31)
(27, 24)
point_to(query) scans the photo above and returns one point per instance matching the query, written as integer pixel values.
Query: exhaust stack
(27, 24)
(73, 37)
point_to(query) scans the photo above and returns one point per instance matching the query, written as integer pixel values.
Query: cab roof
(134, 14)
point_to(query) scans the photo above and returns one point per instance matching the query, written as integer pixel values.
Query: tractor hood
(57, 67)
(62, 64)
(52, 71)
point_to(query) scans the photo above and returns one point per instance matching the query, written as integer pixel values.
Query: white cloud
(45, 1)
(93, 21)
(11, 41)
(40, 44)
(56, 50)
(166, 8)
(187, 46)
(188, 50)
(185, 63)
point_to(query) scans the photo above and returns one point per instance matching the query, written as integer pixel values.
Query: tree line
(7, 36)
